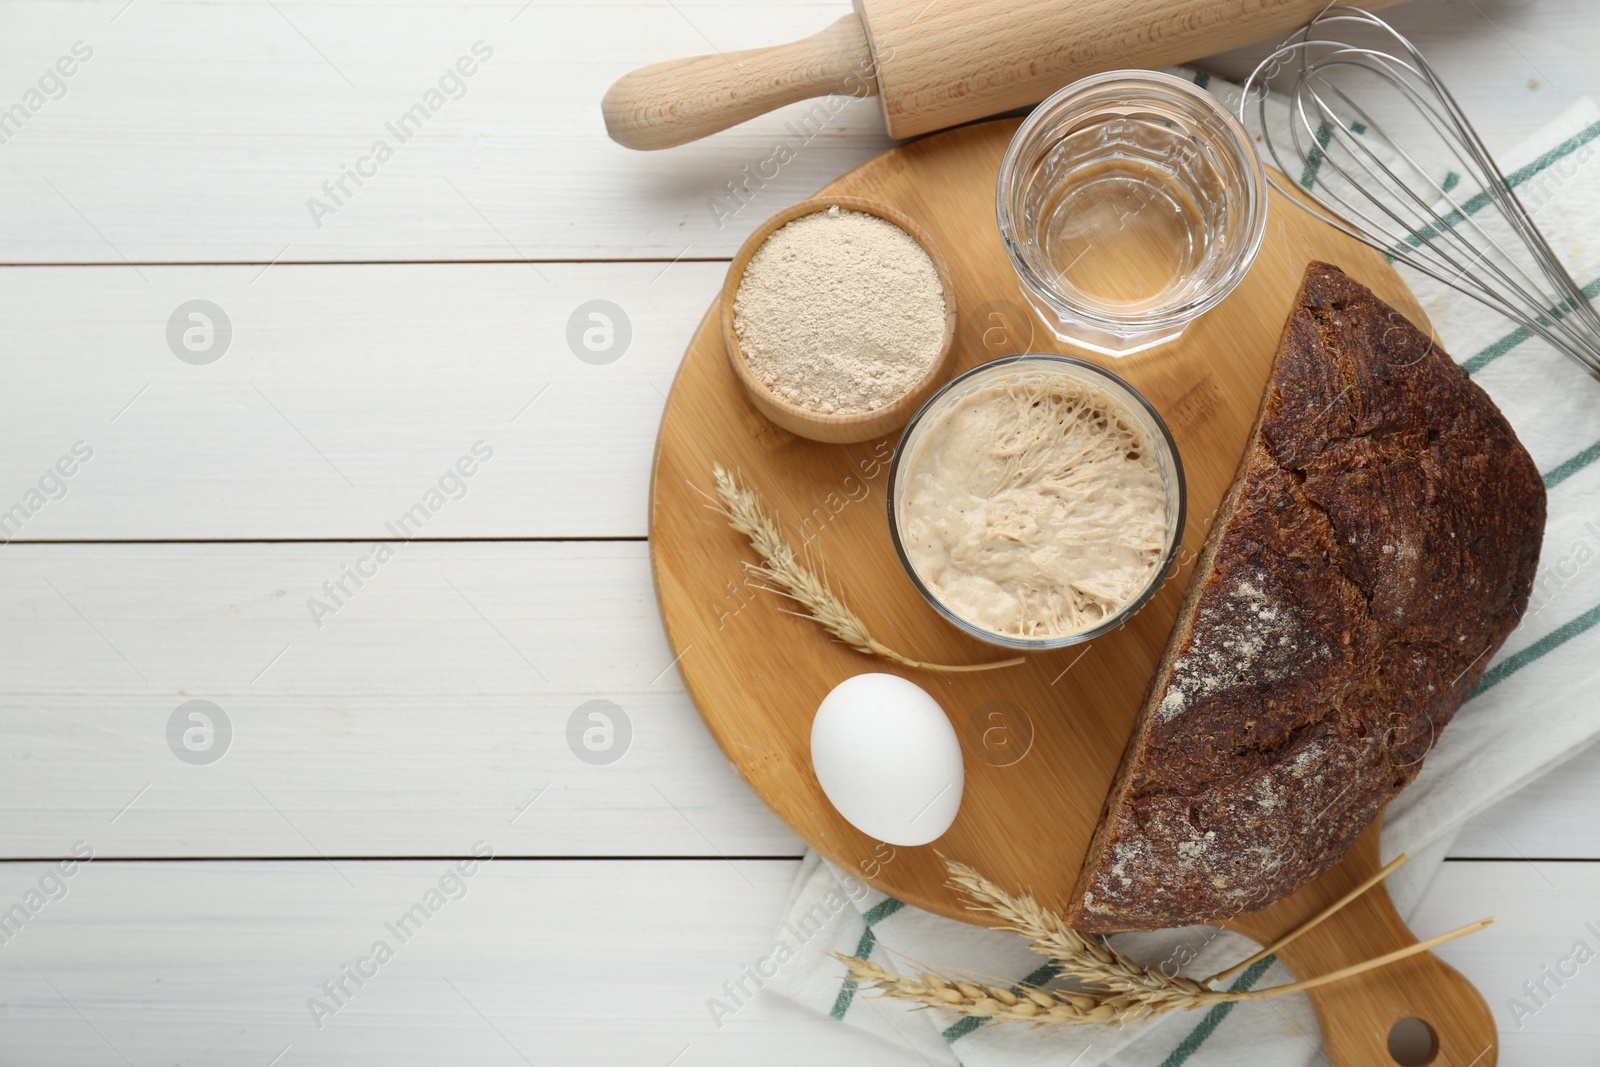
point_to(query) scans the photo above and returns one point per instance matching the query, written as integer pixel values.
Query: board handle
(1358, 1015)
(682, 100)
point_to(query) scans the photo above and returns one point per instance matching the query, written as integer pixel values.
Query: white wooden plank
(344, 393)
(550, 963)
(429, 709)
(407, 721)
(583, 962)
(1541, 911)
(198, 131)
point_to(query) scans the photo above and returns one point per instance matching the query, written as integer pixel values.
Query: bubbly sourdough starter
(1033, 507)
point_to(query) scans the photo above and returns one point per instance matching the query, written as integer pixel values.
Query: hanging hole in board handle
(1413, 1043)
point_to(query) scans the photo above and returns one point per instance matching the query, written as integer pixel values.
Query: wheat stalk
(965, 996)
(1111, 987)
(782, 572)
(1049, 935)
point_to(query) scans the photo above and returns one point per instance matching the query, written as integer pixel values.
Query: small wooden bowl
(850, 428)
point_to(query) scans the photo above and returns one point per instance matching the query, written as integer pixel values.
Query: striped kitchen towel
(1533, 709)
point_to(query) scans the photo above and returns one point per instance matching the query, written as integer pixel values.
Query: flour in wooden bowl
(1034, 506)
(840, 312)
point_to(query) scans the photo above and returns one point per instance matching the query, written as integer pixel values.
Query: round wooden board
(1041, 741)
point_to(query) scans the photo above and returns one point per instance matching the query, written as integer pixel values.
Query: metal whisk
(1466, 228)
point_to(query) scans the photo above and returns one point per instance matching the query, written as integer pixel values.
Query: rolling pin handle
(681, 100)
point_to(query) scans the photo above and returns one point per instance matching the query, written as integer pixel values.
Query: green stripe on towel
(1572, 466)
(1513, 339)
(1556, 638)
(881, 911)
(1315, 157)
(1546, 644)
(1480, 200)
(956, 1031)
(872, 916)
(847, 989)
(1208, 1026)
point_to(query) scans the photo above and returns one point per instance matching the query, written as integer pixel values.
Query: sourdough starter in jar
(1034, 506)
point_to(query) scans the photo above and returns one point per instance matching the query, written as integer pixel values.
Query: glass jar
(1130, 203)
(1138, 412)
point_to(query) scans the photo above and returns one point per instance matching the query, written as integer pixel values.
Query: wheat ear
(965, 996)
(1080, 957)
(782, 572)
(1112, 988)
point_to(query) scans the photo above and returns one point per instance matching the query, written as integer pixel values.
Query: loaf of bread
(1376, 547)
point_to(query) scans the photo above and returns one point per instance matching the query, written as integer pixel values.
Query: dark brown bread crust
(1377, 547)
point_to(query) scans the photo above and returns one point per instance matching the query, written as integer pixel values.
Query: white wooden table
(421, 715)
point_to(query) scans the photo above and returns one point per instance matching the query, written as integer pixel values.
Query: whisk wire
(1444, 229)
(1370, 186)
(1412, 232)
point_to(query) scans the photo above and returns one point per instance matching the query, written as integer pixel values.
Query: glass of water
(1130, 203)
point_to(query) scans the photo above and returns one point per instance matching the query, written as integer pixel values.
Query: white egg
(888, 758)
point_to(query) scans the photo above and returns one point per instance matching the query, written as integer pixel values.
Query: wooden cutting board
(1041, 741)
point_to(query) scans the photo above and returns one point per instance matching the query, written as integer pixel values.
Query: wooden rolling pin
(938, 63)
